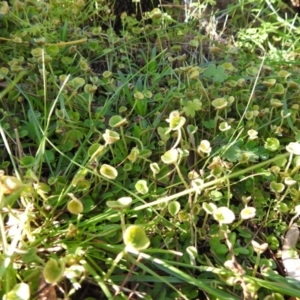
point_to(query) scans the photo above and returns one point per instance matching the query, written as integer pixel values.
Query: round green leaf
(75, 206)
(224, 215)
(53, 270)
(272, 144)
(20, 291)
(135, 238)
(170, 157)
(142, 187)
(204, 147)
(108, 171)
(117, 121)
(248, 213)
(154, 168)
(277, 187)
(121, 203)
(219, 103)
(175, 120)
(138, 95)
(209, 207)
(174, 208)
(293, 148)
(110, 137)
(215, 195)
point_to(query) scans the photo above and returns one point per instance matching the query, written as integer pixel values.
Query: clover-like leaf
(191, 129)
(107, 74)
(191, 107)
(229, 66)
(218, 74)
(289, 181)
(135, 238)
(37, 52)
(194, 43)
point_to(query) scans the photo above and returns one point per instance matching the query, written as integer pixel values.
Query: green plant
(154, 156)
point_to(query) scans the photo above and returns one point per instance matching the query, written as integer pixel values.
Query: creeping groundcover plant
(145, 154)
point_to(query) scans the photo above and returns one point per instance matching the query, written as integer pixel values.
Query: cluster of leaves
(127, 160)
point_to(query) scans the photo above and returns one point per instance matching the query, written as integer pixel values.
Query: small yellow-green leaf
(252, 71)
(134, 154)
(219, 103)
(194, 43)
(10, 184)
(78, 82)
(293, 148)
(37, 52)
(108, 171)
(138, 95)
(20, 291)
(4, 8)
(142, 187)
(277, 187)
(224, 215)
(209, 207)
(174, 208)
(248, 213)
(74, 206)
(110, 136)
(154, 168)
(272, 144)
(121, 203)
(53, 270)
(204, 147)
(170, 157)
(117, 121)
(135, 238)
